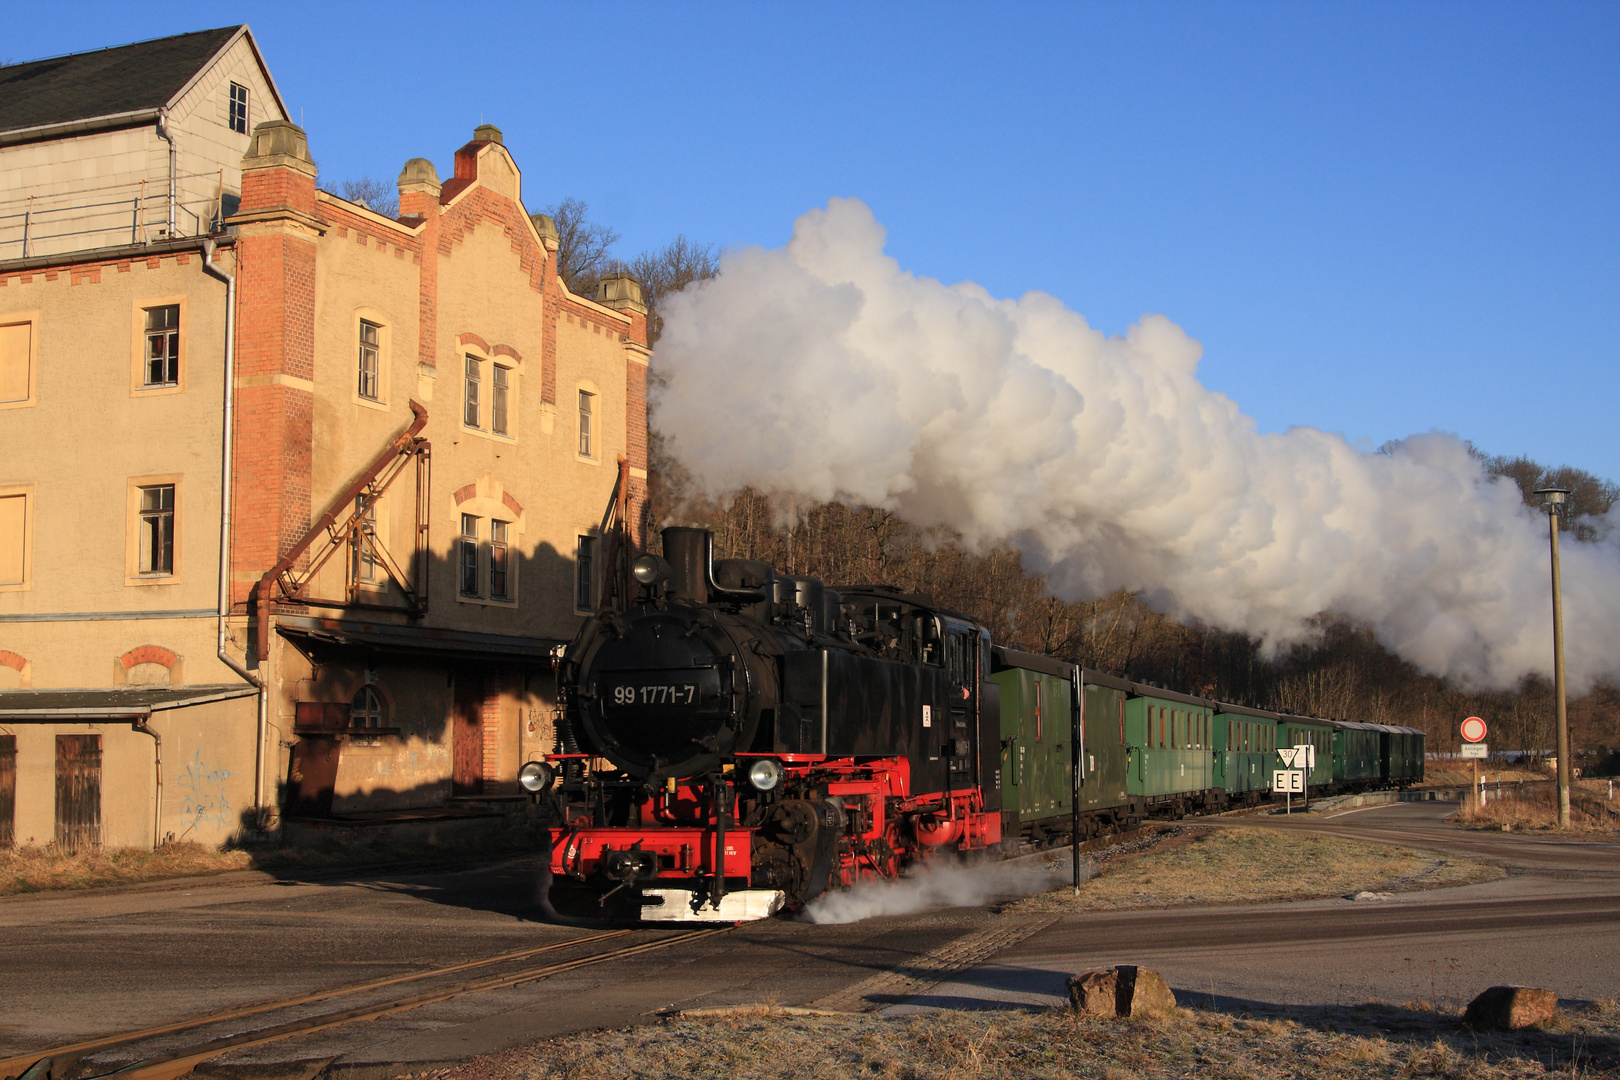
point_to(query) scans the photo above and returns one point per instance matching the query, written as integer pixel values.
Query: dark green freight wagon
(1357, 760)
(1401, 754)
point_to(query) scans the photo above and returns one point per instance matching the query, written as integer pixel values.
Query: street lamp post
(1551, 499)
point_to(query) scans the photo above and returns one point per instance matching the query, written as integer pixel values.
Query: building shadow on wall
(390, 781)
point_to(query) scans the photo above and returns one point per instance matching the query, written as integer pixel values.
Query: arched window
(366, 710)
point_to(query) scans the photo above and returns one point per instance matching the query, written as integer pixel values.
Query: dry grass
(1537, 809)
(1255, 865)
(35, 869)
(1368, 1043)
(1455, 773)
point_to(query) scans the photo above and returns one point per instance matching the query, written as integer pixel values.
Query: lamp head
(1552, 498)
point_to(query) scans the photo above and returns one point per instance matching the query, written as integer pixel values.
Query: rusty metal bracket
(344, 528)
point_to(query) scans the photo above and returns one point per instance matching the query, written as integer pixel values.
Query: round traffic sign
(1473, 729)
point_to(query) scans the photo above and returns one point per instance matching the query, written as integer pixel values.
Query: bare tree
(584, 247)
(375, 195)
(1590, 497)
(668, 270)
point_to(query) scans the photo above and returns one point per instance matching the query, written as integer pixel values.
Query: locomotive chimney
(688, 552)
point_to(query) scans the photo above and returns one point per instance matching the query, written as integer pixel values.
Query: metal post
(1558, 675)
(1077, 746)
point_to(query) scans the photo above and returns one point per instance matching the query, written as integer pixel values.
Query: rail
(131, 211)
(176, 1059)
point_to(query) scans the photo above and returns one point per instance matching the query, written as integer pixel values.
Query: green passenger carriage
(1083, 752)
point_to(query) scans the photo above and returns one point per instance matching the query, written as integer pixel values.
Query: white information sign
(928, 716)
(1475, 750)
(1304, 756)
(1287, 754)
(1289, 781)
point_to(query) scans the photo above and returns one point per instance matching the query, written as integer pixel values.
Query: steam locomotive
(733, 741)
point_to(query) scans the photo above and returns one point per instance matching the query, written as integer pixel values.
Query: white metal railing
(109, 215)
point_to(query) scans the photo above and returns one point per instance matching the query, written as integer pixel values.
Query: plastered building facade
(296, 507)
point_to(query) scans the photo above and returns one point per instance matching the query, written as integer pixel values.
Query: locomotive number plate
(656, 694)
(689, 689)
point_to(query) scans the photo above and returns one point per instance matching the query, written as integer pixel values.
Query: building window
(163, 345)
(585, 574)
(472, 412)
(497, 405)
(16, 362)
(499, 578)
(370, 353)
(366, 709)
(587, 402)
(14, 539)
(365, 540)
(156, 553)
(239, 108)
(469, 555)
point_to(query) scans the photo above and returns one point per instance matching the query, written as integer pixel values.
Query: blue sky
(1379, 219)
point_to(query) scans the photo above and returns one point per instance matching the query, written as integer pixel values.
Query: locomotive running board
(734, 907)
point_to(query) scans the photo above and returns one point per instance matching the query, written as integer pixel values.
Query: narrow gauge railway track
(167, 1064)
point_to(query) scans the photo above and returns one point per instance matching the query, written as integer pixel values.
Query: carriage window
(1121, 721)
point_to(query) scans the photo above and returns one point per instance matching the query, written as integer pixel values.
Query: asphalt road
(87, 965)
(1554, 921)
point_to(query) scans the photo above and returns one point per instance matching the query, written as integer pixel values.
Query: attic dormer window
(239, 118)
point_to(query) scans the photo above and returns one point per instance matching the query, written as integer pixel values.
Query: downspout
(226, 475)
(166, 136)
(141, 726)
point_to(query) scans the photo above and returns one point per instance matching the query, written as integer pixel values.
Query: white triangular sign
(1287, 754)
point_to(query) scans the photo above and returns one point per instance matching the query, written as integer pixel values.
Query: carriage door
(78, 793)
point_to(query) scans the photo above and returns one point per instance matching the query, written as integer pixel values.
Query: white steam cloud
(943, 884)
(824, 371)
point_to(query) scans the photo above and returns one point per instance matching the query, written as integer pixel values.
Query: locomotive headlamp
(765, 774)
(537, 777)
(648, 569)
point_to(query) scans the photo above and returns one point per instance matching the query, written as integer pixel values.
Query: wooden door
(78, 793)
(467, 735)
(8, 790)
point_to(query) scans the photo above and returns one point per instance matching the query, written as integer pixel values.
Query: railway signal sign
(1289, 781)
(1473, 729)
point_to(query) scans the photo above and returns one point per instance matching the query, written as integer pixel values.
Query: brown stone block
(1509, 1008)
(1126, 990)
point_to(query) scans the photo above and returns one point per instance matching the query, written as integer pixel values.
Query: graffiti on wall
(203, 797)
